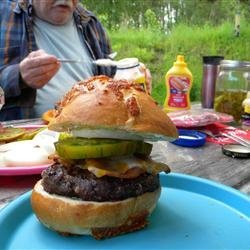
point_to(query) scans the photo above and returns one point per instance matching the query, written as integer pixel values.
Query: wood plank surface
(207, 161)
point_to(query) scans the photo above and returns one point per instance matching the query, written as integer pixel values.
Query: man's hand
(38, 68)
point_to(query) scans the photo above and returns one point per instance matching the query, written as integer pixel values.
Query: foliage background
(156, 31)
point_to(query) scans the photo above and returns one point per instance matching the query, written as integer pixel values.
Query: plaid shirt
(17, 41)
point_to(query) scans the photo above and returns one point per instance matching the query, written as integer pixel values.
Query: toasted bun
(100, 219)
(103, 103)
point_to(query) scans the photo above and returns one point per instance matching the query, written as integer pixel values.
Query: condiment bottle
(178, 84)
(210, 72)
(129, 69)
(245, 118)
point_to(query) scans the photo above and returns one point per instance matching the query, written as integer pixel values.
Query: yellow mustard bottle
(179, 81)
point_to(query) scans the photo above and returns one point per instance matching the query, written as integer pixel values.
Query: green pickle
(80, 148)
(143, 148)
(10, 134)
(64, 135)
(230, 102)
(29, 134)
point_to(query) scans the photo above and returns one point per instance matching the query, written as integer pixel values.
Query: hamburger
(103, 182)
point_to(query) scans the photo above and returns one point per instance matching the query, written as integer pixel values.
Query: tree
(134, 13)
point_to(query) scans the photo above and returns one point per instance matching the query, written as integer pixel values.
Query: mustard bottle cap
(180, 61)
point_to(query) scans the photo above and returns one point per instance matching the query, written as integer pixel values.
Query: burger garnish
(103, 181)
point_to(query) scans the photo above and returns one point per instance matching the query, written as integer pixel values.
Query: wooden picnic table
(207, 161)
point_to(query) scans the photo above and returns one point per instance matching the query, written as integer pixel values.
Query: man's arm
(10, 50)
(10, 79)
(96, 38)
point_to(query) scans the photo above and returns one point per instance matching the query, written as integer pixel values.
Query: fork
(107, 61)
(64, 60)
(234, 137)
(237, 138)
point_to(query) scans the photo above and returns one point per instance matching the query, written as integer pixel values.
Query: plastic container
(231, 88)
(178, 83)
(129, 69)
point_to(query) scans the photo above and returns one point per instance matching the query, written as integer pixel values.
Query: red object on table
(198, 117)
(217, 128)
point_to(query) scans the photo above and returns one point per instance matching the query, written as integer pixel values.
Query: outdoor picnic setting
(124, 124)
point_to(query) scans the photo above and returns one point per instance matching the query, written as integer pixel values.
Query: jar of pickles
(231, 87)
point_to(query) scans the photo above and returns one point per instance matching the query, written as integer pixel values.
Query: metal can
(210, 73)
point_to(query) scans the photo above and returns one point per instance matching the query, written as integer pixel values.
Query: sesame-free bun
(100, 219)
(118, 107)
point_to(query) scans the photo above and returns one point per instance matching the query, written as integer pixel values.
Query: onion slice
(118, 134)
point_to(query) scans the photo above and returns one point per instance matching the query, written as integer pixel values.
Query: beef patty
(80, 183)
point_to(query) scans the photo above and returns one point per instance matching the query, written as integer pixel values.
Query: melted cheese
(125, 167)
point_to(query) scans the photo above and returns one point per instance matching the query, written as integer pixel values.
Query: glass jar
(245, 118)
(129, 69)
(231, 88)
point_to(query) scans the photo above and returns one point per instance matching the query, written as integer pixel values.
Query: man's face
(57, 12)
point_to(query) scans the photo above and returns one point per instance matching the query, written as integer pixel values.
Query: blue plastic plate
(192, 213)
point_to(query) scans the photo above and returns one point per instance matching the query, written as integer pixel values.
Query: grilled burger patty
(80, 183)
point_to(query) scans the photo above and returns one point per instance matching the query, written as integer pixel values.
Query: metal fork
(110, 57)
(234, 137)
(64, 60)
(237, 138)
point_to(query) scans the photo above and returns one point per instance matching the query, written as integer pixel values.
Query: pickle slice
(9, 134)
(29, 134)
(81, 148)
(64, 135)
(143, 148)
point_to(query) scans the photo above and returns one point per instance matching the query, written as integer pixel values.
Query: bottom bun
(100, 219)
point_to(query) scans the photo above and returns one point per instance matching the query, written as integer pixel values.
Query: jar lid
(236, 151)
(213, 60)
(235, 64)
(190, 138)
(127, 63)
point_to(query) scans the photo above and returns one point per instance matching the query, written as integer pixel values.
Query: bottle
(178, 83)
(210, 72)
(231, 88)
(245, 118)
(129, 69)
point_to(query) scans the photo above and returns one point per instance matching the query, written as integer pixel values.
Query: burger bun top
(107, 108)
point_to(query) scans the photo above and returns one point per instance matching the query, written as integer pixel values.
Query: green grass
(158, 50)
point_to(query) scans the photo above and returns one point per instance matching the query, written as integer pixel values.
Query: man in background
(34, 36)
